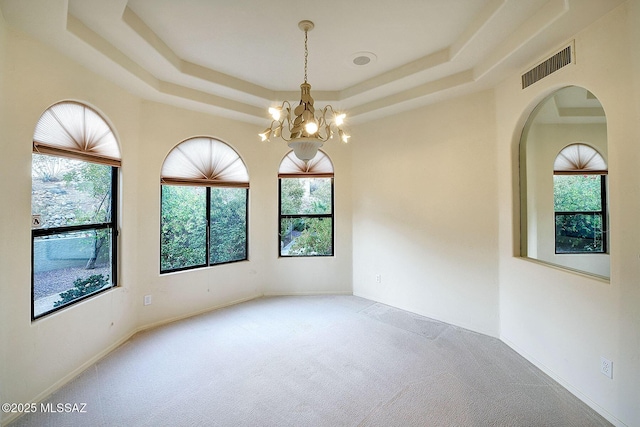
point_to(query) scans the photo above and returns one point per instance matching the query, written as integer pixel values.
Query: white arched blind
(579, 158)
(71, 129)
(319, 166)
(204, 161)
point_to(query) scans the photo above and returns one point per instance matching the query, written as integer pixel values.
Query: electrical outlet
(378, 278)
(606, 367)
(147, 300)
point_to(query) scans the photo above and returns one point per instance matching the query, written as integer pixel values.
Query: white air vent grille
(551, 65)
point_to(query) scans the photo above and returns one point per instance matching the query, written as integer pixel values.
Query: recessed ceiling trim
(425, 89)
(424, 63)
(527, 31)
(84, 33)
(210, 99)
(139, 27)
(134, 22)
(481, 22)
(76, 27)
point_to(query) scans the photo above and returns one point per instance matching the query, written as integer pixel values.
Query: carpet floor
(313, 361)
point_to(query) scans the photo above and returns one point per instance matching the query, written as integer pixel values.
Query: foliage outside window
(202, 226)
(306, 216)
(73, 239)
(580, 216)
(205, 196)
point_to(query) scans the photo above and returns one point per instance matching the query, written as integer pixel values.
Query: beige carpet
(314, 361)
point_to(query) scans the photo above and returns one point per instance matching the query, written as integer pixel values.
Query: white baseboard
(572, 389)
(304, 294)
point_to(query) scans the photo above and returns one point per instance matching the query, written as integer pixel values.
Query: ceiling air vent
(551, 65)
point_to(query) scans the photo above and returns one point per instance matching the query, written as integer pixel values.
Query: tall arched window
(306, 206)
(580, 200)
(205, 196)
(73, 204)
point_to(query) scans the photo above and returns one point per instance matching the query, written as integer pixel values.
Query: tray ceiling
(235, 58)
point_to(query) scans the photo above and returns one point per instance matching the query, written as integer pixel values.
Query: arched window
(580, 200)
(73, 204)
(205, 195)
(306, 206)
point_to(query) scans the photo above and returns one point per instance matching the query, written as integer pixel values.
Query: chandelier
(310, 129)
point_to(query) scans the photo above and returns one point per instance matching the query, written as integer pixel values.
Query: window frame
(110, 225)
(603, 212)
(282, 216)
(208, 232)
(209, 162)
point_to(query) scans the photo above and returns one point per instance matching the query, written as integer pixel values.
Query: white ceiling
(237, 57)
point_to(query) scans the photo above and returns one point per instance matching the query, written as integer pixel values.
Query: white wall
(425, 212)
(177, 294)
(40, 356)
(433, 197)
(562, 321)
(4, 320)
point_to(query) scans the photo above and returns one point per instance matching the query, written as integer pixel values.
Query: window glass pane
(228, 225)
(574, 193)
(306, 236)
(69, 266)
(577, 233)
(68, 192)
(300, 196)
(183, 227)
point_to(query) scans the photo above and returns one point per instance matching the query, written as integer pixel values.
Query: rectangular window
(74, 232)
(202, 226)
(183, 228)
(306, 216)
(228, 241)
(580, 216)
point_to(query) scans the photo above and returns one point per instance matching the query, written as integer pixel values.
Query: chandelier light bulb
(311, 127)
(343, 136)
(275, 113)
(265, 135)
(339, 119)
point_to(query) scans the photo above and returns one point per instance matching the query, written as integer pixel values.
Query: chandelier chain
(306, 55)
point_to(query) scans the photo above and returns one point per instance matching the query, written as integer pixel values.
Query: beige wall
(42, 355)
(177, 294)
(562, 321)
(4, 227)
(427, 200)
(425, 212)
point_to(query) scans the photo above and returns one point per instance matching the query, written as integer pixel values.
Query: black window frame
(109, 225)
(208, 234)
(603, 212)
(282, 216)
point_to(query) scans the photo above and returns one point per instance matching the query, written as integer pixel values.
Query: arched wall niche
(568, 115)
